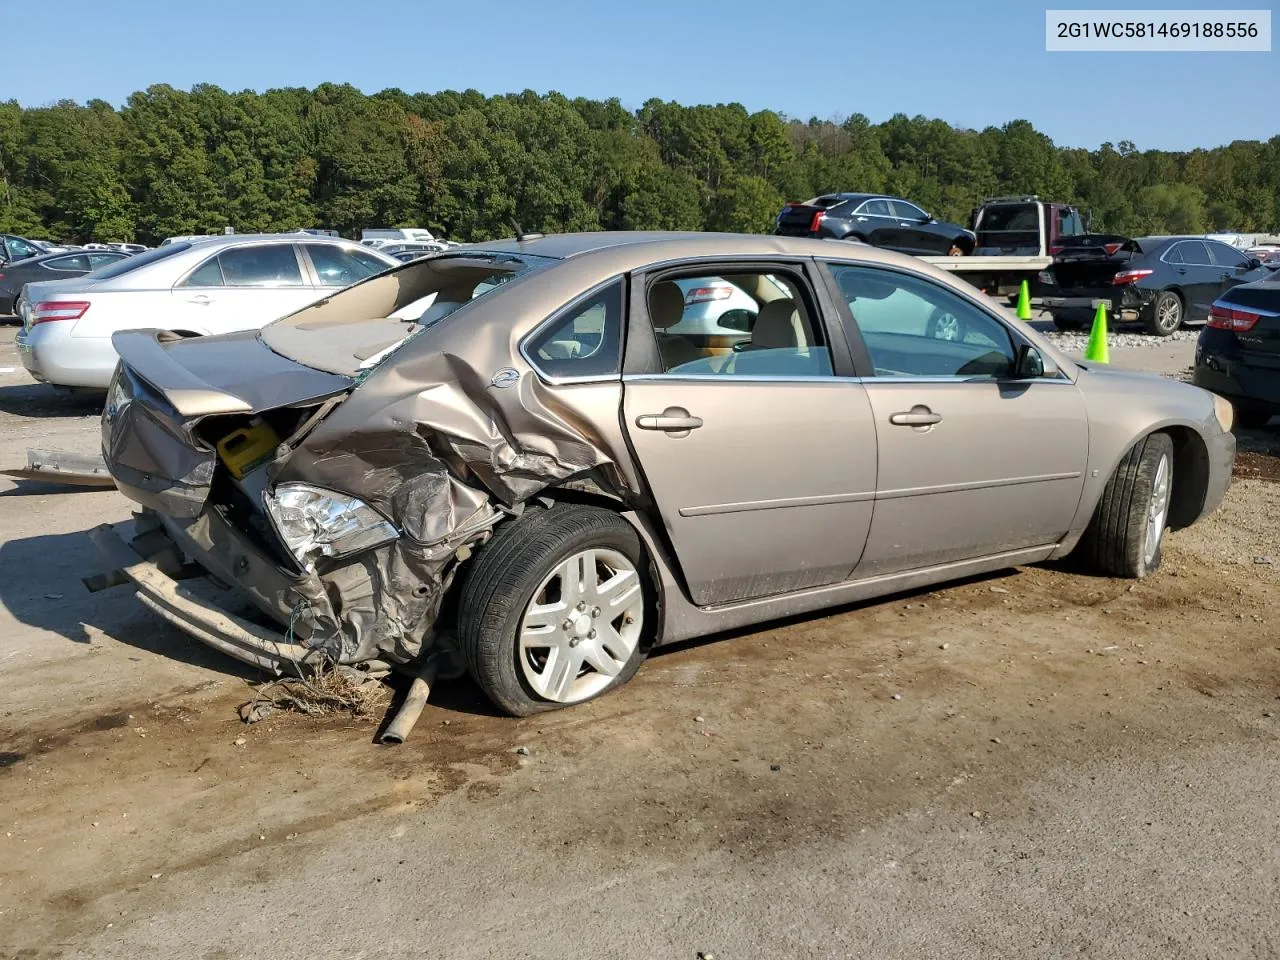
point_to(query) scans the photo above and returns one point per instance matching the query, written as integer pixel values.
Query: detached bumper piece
(60, 467)
(154, 578)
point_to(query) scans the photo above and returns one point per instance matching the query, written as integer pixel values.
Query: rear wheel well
(965, 243)
(1190, 476)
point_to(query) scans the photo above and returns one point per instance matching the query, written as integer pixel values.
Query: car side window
(742, 324)
(71, 263)
(1175, 254)
(875, 208)
(336, 267)
(1194, 253)
(907, 211)
(97, 260)
(260, 265)
(583, 340)
(913, 327)
(208, 274)
(1226, 256)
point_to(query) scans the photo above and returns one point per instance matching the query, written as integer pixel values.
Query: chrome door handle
(916, 417)
(672, 419)
(200, 301)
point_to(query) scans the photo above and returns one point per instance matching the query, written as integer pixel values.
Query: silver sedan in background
(193, 288)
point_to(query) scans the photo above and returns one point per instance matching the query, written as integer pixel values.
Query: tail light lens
(49, 310)
(1129, 276)
(1056, 249)
(703, 294)
(816, 223)
(1222, 317)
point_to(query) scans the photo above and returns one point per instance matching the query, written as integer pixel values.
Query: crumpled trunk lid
(164, 387)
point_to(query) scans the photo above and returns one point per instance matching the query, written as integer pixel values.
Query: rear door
(762, 464)
(241, 288)
(878, 224)
(972, 462)
(915, 236)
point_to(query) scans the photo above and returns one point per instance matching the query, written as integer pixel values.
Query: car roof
(636, 248)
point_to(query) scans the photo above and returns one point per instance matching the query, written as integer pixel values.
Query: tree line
(468, 166)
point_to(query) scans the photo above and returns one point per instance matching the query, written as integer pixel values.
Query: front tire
(1165, 315)
(556, 609)
(1125, 538)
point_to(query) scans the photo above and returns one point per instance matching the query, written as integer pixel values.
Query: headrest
(666, 305)
(776, 326)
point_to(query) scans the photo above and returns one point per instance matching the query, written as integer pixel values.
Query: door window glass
(915, 328)
(260, 265)
(908, 211)
(97, 260)
(1194, 252)
(1226, 256)
(1175, 254)
(875, 208)
(585, 341)
(756, 325)
(20, 249)
(337, 267)
(75, 262)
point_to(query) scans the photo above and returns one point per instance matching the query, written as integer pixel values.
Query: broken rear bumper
(224, 631)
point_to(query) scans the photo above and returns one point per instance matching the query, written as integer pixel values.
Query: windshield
(356, 329)
(121, 267)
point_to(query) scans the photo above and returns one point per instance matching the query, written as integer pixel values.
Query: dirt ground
(1034, 764)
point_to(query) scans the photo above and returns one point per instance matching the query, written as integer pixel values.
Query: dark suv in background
(877, 219)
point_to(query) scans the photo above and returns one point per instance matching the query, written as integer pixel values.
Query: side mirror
(737, 319)
(1030, 365)
(1253, 264)
(926, 218)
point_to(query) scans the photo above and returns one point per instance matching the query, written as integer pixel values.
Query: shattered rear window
(357, 329)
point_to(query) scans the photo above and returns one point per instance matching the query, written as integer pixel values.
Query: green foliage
(470, 167)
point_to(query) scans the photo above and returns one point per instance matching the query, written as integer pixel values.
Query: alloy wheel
(581, 626)
(1157, 511)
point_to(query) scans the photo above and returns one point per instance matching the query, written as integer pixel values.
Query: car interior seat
(666, 308)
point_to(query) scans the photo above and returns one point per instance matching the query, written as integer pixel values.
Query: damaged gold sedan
(536, 459)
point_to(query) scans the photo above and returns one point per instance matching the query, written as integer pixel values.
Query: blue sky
(971, 63)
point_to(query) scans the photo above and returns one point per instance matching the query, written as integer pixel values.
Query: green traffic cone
(1024, 302)
(1097, 350)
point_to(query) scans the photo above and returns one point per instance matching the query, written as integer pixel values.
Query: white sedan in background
(214, 285)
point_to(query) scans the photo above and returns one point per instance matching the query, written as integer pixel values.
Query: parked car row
(194, 288)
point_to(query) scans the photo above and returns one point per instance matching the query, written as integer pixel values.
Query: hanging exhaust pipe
(414, 703)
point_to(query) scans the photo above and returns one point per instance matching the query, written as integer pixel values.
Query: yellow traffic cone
(1024, 302)
(1097, 350)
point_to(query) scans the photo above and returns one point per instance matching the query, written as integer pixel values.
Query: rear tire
(955, 251)
(511, 598)
(1125, 538)
(1166, 314)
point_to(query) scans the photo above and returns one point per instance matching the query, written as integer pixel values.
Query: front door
(972, 462)
(1199, 278)
(762, 463)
